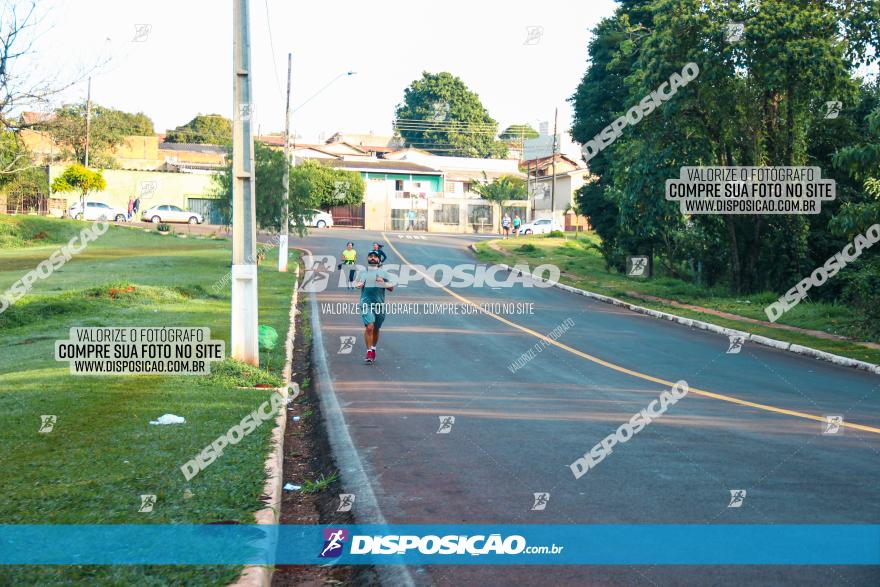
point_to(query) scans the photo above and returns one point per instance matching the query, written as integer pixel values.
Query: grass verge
(103, 454)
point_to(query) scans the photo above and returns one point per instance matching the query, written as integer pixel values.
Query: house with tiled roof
(544, 201)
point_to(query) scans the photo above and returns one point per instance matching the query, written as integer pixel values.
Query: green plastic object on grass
(268, 338)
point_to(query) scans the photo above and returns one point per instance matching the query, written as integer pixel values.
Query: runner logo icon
(334, 540)
(317, 272)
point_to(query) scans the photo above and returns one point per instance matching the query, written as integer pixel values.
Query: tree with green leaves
(13, 156)
(862, 162)
(502, 189)
(440, 114)
(207, 129)
(108, 130)
(21, 180)
(518, 132)
(576, 210)
(600, 94)
(859, 282)
(312, 185)
(269, 181)
(755, 102)
(78, 178)
(327, 186)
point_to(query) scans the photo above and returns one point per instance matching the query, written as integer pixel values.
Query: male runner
(373, 281)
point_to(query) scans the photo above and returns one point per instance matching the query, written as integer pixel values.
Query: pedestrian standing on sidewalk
(130, 208)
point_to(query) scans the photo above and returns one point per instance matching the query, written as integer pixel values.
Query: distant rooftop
(508, 166)
(383, 165)
(276, 140)
(192, 147)
(387, 142)
(36, 117)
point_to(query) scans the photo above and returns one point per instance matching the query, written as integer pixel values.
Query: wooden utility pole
(285, 206)
(244, 340)
(553, 171)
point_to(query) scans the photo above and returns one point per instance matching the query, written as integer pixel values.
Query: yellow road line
(620, 369)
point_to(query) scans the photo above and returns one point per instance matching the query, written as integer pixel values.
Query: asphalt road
(517, 433)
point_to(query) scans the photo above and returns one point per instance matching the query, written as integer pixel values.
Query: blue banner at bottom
(482, 544)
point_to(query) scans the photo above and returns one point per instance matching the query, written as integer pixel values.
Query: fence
(348, 215)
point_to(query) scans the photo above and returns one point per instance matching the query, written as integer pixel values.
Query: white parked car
(539, 226)
(97, 211)
(319, 219)
(170, 213)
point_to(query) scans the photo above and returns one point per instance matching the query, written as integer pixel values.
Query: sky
(522, 59)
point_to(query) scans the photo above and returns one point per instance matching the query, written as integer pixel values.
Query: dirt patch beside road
(307, 456)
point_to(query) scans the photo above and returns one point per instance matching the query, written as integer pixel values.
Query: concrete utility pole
(88, 119)
(244, 341)
(530, 190)
(553, 171)
(285, 206)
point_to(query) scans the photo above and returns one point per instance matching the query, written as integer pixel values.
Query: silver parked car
(170, 213)
(97, 211)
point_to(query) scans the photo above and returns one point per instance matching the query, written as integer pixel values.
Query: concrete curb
(261, 575)
(352, 471)
(762, 340)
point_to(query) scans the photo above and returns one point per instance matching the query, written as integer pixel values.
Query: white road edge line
(351, 467)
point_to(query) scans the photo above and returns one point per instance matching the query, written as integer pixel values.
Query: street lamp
(283, 236)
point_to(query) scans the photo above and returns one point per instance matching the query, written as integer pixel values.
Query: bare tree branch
(19, 25)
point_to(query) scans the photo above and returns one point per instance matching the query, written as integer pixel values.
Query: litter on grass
(169, 419)
(292, 487)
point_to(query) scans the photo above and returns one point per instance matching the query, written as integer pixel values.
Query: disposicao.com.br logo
(452, 544)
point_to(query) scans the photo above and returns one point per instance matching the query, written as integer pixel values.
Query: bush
(231, 372)
(527, 248)
(163, 227)
(861, 290)
(555, 234)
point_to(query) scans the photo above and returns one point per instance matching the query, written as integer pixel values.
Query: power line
(272, 47)
(448, 149)
(327, 85)
(430, 144)
(462, 132)
(453, 129)
(446, 127)
(445, 123)
(462, 129)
